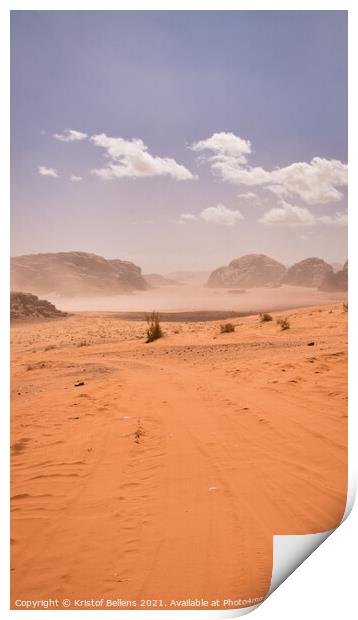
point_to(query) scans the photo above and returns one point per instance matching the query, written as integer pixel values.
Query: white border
(307, 590)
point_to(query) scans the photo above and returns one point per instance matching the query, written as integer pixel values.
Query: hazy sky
(180, 140)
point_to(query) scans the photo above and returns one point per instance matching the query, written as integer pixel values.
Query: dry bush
(264, 316)
(345, 306)
(283, 323)
(227, 328)
(139, 431)
(154, 330)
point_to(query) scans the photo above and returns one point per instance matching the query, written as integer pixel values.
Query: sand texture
(161, 471)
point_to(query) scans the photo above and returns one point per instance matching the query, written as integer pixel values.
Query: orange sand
(167, 473)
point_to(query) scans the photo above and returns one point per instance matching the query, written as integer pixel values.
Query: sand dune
(162, 471)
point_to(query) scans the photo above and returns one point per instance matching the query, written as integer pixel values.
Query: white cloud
(187, 217)
(288, 215)
(315, 182)
(247, 196)
(70, 135)
(340, 218)
(130, 158)
(293, 216)
(278, 190)
(47, 172)
(74, 177)
(224, 145)
(220, 215)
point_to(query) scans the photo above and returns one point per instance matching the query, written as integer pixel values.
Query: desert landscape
(77, 281)
(178, 302)
(161, 471)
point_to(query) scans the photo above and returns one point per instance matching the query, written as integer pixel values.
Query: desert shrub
(264, 316)
(226, 328)
(82, 343)
(283, 323)
(139, 432)
(154, 330)
(345, 306)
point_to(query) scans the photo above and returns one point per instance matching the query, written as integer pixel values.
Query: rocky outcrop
(309, 272)
(27, 306)
(251, 270)
(155, 279)
(336, 281)
(337, 266)
(74, 274)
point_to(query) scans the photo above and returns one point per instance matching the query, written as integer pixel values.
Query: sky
(179, 140)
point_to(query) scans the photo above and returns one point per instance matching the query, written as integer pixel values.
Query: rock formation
(336, 281)
(308, 272)
(27, 306)
(251, 270)
(74, 274)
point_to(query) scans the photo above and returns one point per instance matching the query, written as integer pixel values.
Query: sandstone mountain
(337, 266)
(251, 270)
(27, 306)
(155, 279)
(308, 272)
(336, 281)
(74, 274)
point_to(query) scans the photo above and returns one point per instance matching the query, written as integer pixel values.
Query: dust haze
(197, 297)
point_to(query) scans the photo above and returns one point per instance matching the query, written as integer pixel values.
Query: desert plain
(161, 471)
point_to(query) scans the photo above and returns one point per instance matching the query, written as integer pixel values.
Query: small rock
(79, 383)
(310, 344)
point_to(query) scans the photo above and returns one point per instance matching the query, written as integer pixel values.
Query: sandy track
(166, 474)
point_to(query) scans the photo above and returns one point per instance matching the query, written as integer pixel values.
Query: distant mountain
(189, 277)
(155, 279)
(336, 281)
(309, 272)
(251, 270)
(27, 306)
(74, 274)
(337, 266)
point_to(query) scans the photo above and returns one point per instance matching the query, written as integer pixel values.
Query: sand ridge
(161, 471)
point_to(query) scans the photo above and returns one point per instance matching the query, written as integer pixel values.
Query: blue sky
(240, 121)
